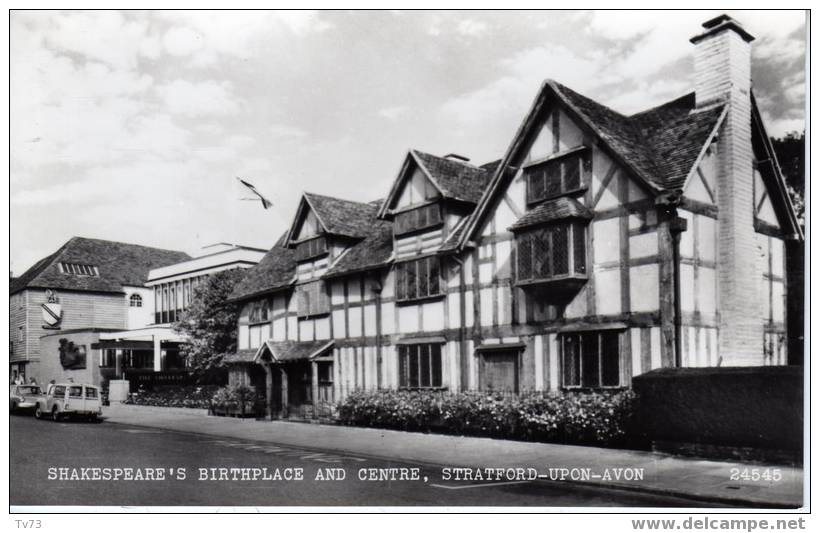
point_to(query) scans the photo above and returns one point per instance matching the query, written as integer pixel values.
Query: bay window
(419, 278)
(558, 175)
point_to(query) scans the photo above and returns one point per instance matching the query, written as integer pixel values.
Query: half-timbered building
(599, 247)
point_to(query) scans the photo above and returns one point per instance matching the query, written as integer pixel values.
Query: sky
(132, 126)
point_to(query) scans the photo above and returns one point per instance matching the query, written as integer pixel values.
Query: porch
(296, 378)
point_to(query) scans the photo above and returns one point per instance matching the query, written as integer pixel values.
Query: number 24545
(755, 474)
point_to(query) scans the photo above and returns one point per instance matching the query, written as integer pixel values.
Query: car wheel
(38, 414)
(55, 414)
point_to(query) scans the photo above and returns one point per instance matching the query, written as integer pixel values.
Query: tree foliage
(791, 154)
(209, 322)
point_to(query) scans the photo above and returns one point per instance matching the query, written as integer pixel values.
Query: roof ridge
(108, 241)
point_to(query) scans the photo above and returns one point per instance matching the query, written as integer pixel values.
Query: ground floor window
(420, 366)
(591, 359)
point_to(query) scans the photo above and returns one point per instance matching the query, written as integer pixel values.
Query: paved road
(38, 446)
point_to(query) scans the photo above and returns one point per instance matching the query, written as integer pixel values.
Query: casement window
(312, 299)
(79, 269)
(591, 359)
(420, 218)
(311, 248)
(420, 278)
(135, 300)
(553, 251)
(556, 176)
(259, 328)
(420, 366)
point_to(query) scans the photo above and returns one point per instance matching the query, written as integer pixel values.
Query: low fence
(739, 407)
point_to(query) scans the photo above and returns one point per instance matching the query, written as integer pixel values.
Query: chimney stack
(723, 76)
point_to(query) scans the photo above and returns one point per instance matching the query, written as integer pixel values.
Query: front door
(499, 370)
(299, 389)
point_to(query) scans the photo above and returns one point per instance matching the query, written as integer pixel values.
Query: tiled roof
(118, 264)
(343, 217)
(294, 351)
(241, 356)
(456, 179)
(372, 252)
(661, 144)
(551, 210)
(275, 271)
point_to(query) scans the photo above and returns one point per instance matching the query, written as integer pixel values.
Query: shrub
(193, 396)
(593, 418)
(236, 398)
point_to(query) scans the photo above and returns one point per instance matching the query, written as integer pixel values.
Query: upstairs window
(420, 278)
(259, 312)
(79, 269)
(420, 366)
(312, 299)
(135, 300)
(420, 218)
(309, 249)
(556, 176)
(549, 252)
(591, 359)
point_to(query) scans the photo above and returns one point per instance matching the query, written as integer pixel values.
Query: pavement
(709, 481)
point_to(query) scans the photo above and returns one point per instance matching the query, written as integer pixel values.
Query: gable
(557, 133)
(416, 189)
(764, 210)
(772, 202)
(308, 226)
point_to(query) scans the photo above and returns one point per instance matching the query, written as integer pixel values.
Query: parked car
(69, 400)
(24, 397)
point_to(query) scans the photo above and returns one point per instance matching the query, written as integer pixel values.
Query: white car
(64, 400)
(24, 397)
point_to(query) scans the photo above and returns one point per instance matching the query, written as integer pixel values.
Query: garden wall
(743, 407)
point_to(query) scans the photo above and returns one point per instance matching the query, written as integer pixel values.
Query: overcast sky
(132, 126)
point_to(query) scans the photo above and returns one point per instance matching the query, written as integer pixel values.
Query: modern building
(92, 311)
(156, 347)
(600, 246)
(87, 284)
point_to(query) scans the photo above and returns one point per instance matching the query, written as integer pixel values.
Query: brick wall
(723, 71)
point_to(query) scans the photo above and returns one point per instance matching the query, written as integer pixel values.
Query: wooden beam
(314, 387)
(284, 391)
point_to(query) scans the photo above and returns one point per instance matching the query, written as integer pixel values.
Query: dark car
(24, 397)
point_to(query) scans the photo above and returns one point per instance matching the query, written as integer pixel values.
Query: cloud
(471, 27)
(281, 132)
(182, 41)
(197, 99)
(106, 36)
(394, 113)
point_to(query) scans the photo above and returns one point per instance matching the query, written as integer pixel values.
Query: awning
(286, 351)
(553, 210)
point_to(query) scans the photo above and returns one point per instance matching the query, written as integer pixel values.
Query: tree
(210, 324)
(791, 154)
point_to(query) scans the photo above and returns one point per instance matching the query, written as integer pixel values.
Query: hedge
(589, 418)
(193, 396)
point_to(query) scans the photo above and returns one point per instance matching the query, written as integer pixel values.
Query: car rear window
(90, 392)
(75, 392)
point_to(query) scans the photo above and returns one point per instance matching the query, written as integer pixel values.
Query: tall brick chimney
(723, 74)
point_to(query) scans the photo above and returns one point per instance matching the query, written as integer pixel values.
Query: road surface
(52, 463)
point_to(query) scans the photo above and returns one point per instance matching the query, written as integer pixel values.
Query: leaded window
(420, 366)
(420, 278)
(555, 177)
(591, 359)
(312, 299)
(424, 217)
(553, 251)
(311, 248)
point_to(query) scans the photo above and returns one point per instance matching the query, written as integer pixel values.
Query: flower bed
(192, 396)
(590, 418)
